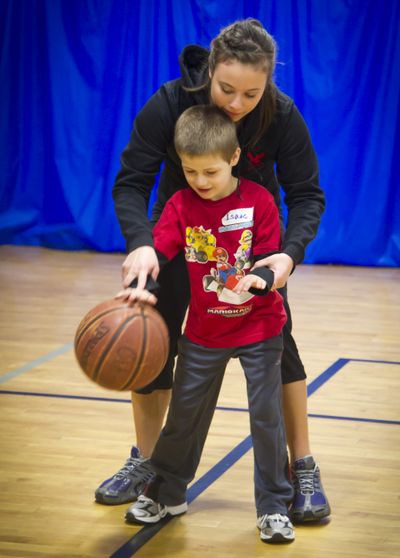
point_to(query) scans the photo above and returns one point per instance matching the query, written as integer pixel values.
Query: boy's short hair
(204, 130)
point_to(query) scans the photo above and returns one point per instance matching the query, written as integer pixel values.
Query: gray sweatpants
(198, 378)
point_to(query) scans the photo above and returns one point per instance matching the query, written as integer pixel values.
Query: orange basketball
(122, 347)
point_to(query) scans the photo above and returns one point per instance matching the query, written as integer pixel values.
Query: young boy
(223, 225)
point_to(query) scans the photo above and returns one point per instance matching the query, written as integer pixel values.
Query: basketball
(122, 347)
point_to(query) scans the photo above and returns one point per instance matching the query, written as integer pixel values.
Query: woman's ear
(236, 156)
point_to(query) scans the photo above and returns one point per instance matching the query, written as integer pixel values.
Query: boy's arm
(268, 276)
(247, 282)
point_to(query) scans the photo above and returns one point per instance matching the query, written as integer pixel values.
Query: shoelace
(148, 505)
(129, 467)
(272, 517)
(308, 481)
(145, 499)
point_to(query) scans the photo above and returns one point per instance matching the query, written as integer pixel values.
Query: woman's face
(236, 88)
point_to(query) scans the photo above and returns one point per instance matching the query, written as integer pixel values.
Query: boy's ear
(236, 156)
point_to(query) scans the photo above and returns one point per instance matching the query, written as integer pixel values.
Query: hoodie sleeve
(151, 144)
(298, 174)
(140, 163)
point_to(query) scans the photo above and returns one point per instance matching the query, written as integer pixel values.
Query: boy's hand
(281, 265)
(248, 282)
(136, 295)
(139, 264)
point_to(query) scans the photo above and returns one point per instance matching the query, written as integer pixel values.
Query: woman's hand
(136, 295)
(281, 265)
(139, 264)
(248, 282)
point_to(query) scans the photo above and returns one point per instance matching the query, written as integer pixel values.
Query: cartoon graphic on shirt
(225, 276)
(243, 253)
(222, 279)
(200, 245)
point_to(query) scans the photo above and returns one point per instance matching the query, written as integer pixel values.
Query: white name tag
(235, 216)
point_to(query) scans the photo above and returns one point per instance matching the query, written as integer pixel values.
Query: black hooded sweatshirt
(283, 156)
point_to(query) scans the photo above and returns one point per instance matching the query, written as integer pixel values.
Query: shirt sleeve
(168, 233)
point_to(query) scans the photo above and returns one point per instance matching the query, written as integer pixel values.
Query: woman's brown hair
(247, 42)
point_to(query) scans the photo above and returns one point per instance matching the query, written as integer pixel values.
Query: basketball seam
(95, 318)
(140, 360)
(109, 345)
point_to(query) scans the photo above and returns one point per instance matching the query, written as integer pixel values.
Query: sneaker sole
(310, 515)
(172, 511)
(120, 498)
(110, 501)
(277, 538)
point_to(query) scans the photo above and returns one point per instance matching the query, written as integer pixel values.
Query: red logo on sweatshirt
(255, 159)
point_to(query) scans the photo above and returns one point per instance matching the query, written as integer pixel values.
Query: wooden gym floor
(61, 435)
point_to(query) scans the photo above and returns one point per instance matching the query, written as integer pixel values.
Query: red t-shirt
(220, 239)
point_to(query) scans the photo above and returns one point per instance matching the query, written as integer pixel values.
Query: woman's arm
(140, 163)
(298, 174)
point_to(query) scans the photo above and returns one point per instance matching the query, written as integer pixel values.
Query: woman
(237, 76)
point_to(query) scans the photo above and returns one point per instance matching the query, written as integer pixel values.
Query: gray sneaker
(275, 528)
(126, 485)
(145, 510)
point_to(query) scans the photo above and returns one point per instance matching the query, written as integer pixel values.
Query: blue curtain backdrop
(75, 72)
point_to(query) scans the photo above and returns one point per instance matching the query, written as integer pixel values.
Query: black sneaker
(126, 485)
(310, 502)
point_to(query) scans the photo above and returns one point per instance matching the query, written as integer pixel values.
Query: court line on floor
(218, 408)
(33, 363)
(64, 396)
(373, 361)
(68, 346)
(354, 419)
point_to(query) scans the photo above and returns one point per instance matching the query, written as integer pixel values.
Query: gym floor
(62, 434)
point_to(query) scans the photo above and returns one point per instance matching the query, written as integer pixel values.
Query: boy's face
(210, 176)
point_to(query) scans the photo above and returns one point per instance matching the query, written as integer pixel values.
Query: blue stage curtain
(73, 74)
